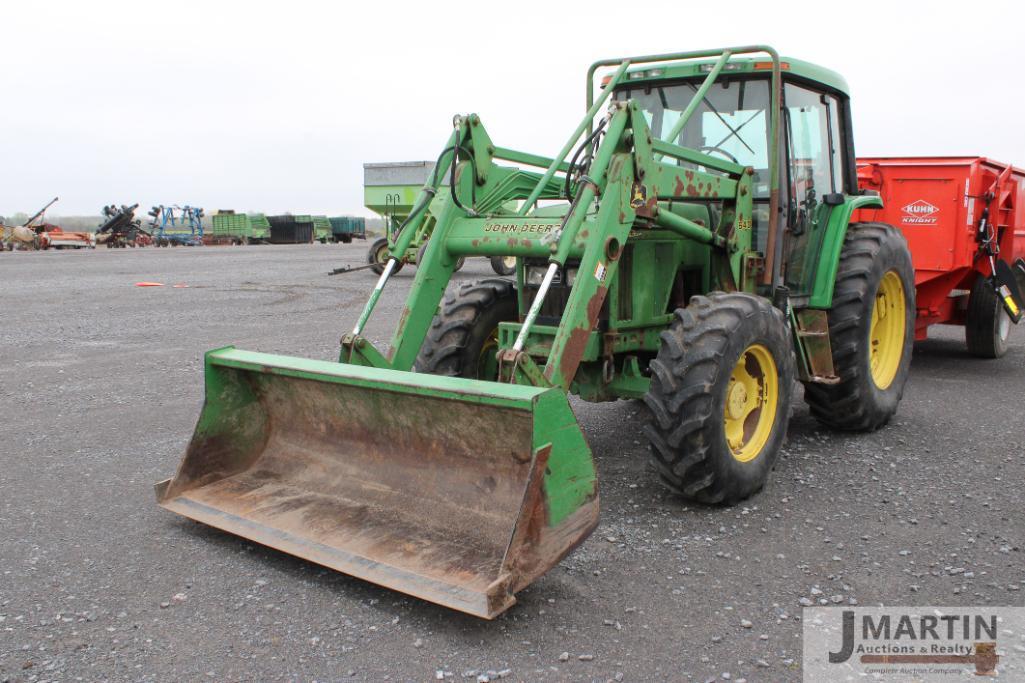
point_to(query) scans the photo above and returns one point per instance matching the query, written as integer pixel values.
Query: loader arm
(628, 176)
(464, 229)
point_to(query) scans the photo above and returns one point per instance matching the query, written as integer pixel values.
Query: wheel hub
(737, 400)
(1003, 324)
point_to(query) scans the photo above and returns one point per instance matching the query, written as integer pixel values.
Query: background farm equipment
(120, 228)
(239, 228)
(26, 235)
(964, 220)
(391, 190)
(289, 229)
(173, 226)
(346, 228)
(695, 251)
(54, 237)
(322, 231)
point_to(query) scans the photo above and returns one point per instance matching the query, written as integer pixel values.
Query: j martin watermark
(924, 644)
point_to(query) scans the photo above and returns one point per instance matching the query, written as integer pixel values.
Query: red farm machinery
(964, 222)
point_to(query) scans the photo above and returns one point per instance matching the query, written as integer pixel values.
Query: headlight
(535, 274)
(571, 275)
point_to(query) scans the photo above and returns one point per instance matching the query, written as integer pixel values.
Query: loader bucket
(455, 491)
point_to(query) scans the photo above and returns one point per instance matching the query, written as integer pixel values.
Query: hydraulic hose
(590, 144)
(472, 211)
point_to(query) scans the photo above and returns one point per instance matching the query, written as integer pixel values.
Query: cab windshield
(731, 121)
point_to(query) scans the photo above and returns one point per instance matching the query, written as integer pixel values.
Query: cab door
(814, 178)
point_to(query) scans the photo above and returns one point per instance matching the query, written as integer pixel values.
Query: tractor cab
(731, 121)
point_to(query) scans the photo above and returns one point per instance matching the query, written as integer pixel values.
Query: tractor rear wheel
(720, 397)
(987, 324)
(871, 331)
(377, 256)
(463, 337)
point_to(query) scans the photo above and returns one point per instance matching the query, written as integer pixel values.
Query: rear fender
(832, 245)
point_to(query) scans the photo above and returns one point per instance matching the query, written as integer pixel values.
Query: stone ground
(101, 383)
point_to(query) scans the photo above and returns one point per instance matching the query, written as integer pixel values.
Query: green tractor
(691, 246)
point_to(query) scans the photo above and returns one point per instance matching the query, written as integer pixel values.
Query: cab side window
(815, 168)
(813, 127)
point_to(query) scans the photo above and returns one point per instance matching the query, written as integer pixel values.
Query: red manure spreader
(964, 220)
(55, 237)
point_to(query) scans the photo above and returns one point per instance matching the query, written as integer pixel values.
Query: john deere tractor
(690, 245)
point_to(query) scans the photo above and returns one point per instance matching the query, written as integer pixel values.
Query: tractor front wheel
(871, 331)
(463, 338)
(377, 256)
(987, 324)
(720, 397)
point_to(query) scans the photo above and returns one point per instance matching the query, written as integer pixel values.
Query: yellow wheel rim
(487, 362)
(752, 399)
(886, 335)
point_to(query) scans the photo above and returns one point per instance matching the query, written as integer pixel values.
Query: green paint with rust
(571, 479)
(231, 412)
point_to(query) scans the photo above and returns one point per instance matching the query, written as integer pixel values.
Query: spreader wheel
(871, 331)
(504, 265)
(423, 250)
(987, 324)
(720, 397)
(463, 338)
(377, 256)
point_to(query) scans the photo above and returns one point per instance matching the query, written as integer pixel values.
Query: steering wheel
(709, 149)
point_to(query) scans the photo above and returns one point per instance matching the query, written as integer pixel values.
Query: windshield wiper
(724, 121)
(736, 133)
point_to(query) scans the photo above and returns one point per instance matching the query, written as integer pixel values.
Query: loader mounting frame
(619, 206)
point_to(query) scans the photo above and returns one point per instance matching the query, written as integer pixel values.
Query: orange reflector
(784, 66)
(605, 80)
(149, 284)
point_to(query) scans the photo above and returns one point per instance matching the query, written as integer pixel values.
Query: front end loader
(690, 245)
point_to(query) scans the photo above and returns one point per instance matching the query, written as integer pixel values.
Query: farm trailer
(229, 227)
(346, 228)
(391, 190)
(964, 222)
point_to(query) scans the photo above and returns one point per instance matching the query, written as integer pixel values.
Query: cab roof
(699, 68)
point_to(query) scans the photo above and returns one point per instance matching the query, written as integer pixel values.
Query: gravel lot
(101, 383)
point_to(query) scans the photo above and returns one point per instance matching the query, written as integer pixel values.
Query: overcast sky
(275, 106)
